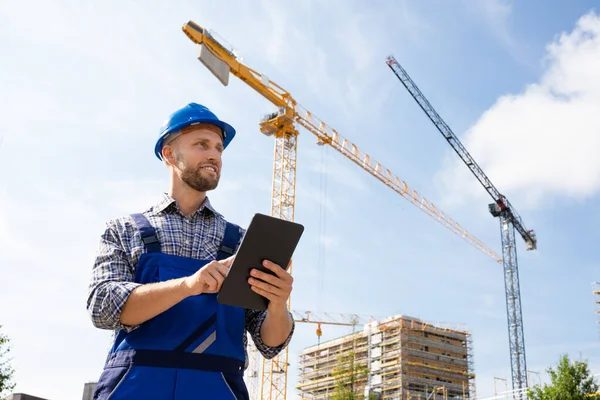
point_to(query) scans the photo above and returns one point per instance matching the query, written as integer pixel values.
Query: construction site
(397, 358)
(401, 357)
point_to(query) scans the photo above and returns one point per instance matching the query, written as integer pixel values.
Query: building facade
(88, 390)
(400, 358)
(23, 396)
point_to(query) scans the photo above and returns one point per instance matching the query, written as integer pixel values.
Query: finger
(278, 291)
(210, 282)
(280, 272)
(227, 262)
(221, 269)
(268, 295)
(218, 277)
(269, 278)
(267, 288)
(217, 269)
(274, 280)
(272, 266)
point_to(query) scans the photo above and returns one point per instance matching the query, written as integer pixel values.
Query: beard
(198, 179)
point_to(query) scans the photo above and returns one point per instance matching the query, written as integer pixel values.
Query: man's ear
(167, 155)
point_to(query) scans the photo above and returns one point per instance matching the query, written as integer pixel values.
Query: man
(156, 276)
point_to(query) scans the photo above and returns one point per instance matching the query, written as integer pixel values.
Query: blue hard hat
(192, 113)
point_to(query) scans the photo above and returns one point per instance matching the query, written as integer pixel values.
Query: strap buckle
(150, 239)
(226, 249)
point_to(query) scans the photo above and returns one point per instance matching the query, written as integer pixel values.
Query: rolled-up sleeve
(111, 283)
(254, 321)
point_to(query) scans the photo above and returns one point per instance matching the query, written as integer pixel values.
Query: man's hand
(209, 278)
(149, 300)
(278, 323)
(275, 288)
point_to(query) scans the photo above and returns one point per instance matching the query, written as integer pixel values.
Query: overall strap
(230, 241)
(148, 233)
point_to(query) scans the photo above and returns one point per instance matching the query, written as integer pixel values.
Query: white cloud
(543, 141)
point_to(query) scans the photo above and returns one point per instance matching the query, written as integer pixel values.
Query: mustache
(209, 164)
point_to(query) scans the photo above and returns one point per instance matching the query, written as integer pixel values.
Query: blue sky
(86, 86)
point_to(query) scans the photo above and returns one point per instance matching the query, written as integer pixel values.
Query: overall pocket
(109, 381)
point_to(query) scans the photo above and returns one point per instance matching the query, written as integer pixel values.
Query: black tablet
(267, 238)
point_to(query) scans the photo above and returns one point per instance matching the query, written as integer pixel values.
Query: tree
(348, 375)
(6, 371)
(571, 380)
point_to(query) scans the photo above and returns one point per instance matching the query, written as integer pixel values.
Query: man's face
(197, 156)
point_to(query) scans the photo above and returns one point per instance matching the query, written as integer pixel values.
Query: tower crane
(509, 221)
(221, 60)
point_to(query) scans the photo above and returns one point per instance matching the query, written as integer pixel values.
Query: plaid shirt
(196, 236)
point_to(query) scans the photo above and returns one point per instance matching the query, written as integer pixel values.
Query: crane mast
(222, 61)
(283, 195)
(509, 222)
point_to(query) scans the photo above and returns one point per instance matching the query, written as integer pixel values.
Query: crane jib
(455, 143)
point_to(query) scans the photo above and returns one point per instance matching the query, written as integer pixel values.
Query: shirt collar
(167, 203)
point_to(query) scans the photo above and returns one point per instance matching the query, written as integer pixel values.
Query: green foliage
(571, 380)
(6, 371)
(347, 374)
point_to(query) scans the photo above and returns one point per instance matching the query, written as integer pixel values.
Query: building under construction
(400, 358)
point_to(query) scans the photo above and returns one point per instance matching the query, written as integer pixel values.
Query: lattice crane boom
(509, 222)
(290, 111)
(527, 234)
(327, 318)
(222, 61)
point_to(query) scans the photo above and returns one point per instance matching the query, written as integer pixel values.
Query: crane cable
(322, 226)
(321, 252)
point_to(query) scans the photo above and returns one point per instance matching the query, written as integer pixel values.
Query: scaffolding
(403, 358)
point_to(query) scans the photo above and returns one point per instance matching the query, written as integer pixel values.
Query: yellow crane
(222, 61)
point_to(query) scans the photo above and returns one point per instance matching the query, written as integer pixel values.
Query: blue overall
(194, 350)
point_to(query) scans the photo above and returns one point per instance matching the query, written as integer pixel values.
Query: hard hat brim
(228, 132)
